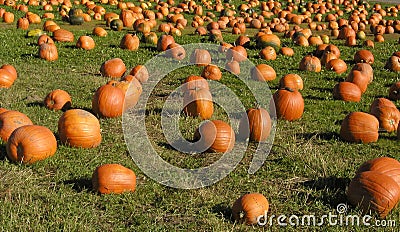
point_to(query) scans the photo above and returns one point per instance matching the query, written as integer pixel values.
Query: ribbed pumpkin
(164, 41)
(249, 207)
(31, 143)
(130, 42)
(23, 23)
(364, 56)
(11, 120)
(326, 57)
(216, 136)
(292, 81)
(79, 128)
(268, 53)
(211, 72)
(113, 178)
(176, 51)
(62, 35)
(286, 51)
(310, 63)
(394, 91)
(114, 68)
(347, 91)
(337, 65)
(359, 127)
(11, 69)
(140, 72)
(200, 57)
(85, 42)
(384, 165)
(195, 82)
(263, 72)
(269, 40)
(289, 104)
(58, 99)
(393, 64)
(374, 191)
(255, 124)
(108, 101)
(233, 67)
(198, 103)
(99, 31)
(386, 113)
(6, 78)
(333, 49)
(365, 69)
(237, 53)
(359, 79)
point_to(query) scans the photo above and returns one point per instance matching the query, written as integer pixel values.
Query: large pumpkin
(108, 101)
(216, 136)
(365, 69)
(79, 128)
(62, 35)
(132, 90)
(237, 53)
(11, 120)
(292, 81)
(113, 178)
(384, 165)
(31, 143)
(269, 40)
(289, 104)
(255, 124)
(359, 127)
(194, 82)
(386, 113)
(85, 42)
(263, 72)
(130, 42)
(114, 68)
(249, 207)
(359, 79)
(58, 99)
(198, 103)
(48, 51)
(374, 191)
(164, 41)
(364, 56)
(347, 91)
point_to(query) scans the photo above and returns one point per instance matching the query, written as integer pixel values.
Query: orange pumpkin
(289, 104)
(211, 72)
(256, 125)
(347, 91)
(108, 101)
(268, 53)
(58, 99)
(11, 120)
(198, 103)
(113, 178)
(200, 57)
(359, 79)
(263, 72)
(85, 42)
(249, 207)
(386, 113)
(6, 78)
(62, 35)
(310, 63)
(394, 91)
(364, 56)
(114, 68)
(384, 165)
(130, 42)
(140, 72)
(292, 81)
(216, 136)
(359, 127)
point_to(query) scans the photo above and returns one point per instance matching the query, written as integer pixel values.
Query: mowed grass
(306, 172)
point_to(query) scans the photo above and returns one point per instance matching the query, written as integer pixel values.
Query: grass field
(306, 172)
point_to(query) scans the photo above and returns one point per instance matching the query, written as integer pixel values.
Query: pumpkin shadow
(35, 103)
(71, 46)
(29, 55)
(80, 184)
(310, 97)
(334, 188)
(224, 211)
(321, 89)
(3, 152)
(150, 48)
(388, 136)
(323, 136)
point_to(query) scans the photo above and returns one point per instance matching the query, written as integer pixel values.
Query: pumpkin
(249, 207)
(233, 67)
(333, 49)
(359, 79)
(266, 40)
(6, 78)
(198, 103)
(263, 72)
(2, 110)
(242, 40)
(286, 51)
(113, 178)
(11, 120)
(292, 81)
(140, 72)
(326, 57)
(108, 101)
(85, 42)
(79, 128)
(58, 99)
(62, 35)
(76, 20)
(289, 104)
(151, 38)
(237, 53)
(359, 127)
(11, 69)
(365, 69)
(114, 68)
(369, 43)
(8, 17)
(337, 65)
(319, 50)
(364, 56)
(384, 165)
(310, 63)
(132, 90)
(116, 24)
(268, 53)
(215, 136)
(23, 23)
(44, 39)
(164, 41)
(127, 18)
(394, 91)
(176, 51)
(351, 41)
(195, 82)
(255, 124)
(347, 91)
(130, 42)
(31, 143)
(99, 31)
(386, 113)
(211, 72)
(200, 57)
(393, 64)
(374, 191)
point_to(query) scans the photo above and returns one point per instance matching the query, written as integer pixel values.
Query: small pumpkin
(364, 56)
(249, 207)
(393, 64)
(116, 24)
(268, 40)
(11, 69)
(216, 136)
(286, 51)
(11, 120)
(62, 35)
(263, 72)
(195, 82)
(268, 53)
(292, 81)
(347, 91)
(164, 41)
(130, 42)
(114, 68)
(255, 124)
(113, 178)
(79, 128)
(6, 78)
(99, 31)
(289, 104)
(31, 143)
(140, 72)
(359, 127)
(108, 101)
(58, 100)
(310, 63)
(85, 42)
(326, 57)
(198, 103)
(386, 113)
(333, 49)
(211, 72)
(23, 23)
(394, 91)
(371, 190)
(233, 67)
(365, 69)
(337, 65)
(200, 57)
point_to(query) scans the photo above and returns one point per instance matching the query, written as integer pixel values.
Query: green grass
(306, 172)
